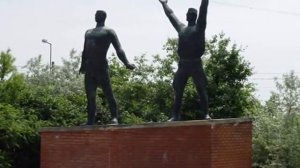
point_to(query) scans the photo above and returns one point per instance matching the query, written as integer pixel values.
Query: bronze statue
(95, 66)
(191, 47)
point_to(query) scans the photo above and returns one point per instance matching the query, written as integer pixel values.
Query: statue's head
(100, 16)
(191, 15)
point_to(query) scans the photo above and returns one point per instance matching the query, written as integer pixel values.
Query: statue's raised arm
(170, 14)
(201, 21)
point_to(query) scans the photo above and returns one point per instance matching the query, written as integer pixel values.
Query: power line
(257, 8)
(264, 78)
(274, 73)
(271, 73)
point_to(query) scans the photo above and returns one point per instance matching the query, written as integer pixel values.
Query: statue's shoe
(173, 119)
(114, 121)
(207, 117)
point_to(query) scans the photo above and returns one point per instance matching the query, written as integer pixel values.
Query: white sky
(268, 28)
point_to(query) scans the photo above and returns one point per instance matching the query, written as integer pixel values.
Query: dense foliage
(230, 93)
(31, 101)
(277, 127)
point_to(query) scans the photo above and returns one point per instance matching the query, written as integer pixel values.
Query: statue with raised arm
(191, 47)
(95, 66)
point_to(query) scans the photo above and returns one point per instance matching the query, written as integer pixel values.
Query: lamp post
(47, 42)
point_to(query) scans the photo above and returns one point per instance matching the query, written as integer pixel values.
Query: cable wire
(257, 8)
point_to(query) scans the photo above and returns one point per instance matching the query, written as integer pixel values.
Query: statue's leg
(200, 81)
(179, 83)
(90, 89)
(107, 90)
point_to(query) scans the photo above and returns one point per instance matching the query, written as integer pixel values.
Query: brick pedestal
(191, 144)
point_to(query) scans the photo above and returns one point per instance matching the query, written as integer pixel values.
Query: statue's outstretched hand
(163, 1)
(130, 66)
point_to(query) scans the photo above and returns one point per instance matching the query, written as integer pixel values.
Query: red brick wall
(231, 145)
(195, 144)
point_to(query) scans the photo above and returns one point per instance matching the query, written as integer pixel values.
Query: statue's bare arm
(170, 14)
(83, 58)
(201, 21)
(120, 52)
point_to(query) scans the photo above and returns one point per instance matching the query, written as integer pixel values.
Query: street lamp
(47, 42)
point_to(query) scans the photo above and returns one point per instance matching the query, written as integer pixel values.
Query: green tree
(11, 89)
(57, 96)
(6, 64)
(277, 127)
(5, 161)
(18, 131)
(18, 137)
(230, 93)
(34, 100)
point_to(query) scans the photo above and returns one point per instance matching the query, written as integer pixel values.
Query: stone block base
(190, 144)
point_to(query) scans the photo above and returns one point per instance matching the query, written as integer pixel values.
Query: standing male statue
(95, 66)
(191, 47)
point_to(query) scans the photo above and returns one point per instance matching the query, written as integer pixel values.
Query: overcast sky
(269, 29)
